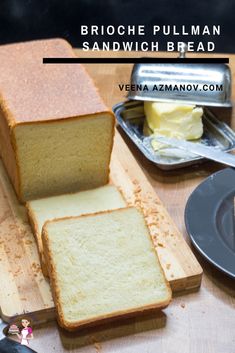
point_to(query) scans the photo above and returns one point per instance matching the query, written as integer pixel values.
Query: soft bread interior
(103, 265)
(104, 198)
(69, 155)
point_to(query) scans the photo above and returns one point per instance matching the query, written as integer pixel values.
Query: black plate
(209, 220)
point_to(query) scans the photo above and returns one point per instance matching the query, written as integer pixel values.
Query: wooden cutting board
(23, 287)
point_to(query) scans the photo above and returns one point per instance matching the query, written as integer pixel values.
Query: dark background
(22, 20)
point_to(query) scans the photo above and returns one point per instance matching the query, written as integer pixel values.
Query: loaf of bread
(103, 266)
(39, 211)
(56, 134)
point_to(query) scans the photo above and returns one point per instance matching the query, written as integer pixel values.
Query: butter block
(174, 120)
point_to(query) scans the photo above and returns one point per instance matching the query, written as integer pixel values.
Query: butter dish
(130, 116)
(202, 85)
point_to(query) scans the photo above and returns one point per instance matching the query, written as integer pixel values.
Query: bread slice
(39, 211)
(103, 266)
(56, 133)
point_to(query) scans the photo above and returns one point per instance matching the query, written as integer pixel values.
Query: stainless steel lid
(199, 84)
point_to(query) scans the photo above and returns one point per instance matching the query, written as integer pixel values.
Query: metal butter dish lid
(198, 84)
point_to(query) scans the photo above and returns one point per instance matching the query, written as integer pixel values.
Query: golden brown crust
(18, 187)
(56, 292)
(39, 92)
(52, 272)
(111, 148)
(37, 236)
(111, 317)
(65, 119)
(7, 151)
(32, 220)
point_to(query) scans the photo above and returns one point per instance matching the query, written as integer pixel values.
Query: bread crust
(37, 236)
(119, 314)
(15, 113)
(8, 150)
(47, 81)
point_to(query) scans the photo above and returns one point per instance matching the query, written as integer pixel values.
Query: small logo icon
(21, 330)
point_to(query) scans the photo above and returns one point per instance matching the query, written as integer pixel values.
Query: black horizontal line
(135, 60)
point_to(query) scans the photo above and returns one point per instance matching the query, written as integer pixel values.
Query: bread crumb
(36, 268)
(12, 226)
(182, 305)
(160, 244)
(151, 224)
(98, 347)
(168, 266)
(137, 190)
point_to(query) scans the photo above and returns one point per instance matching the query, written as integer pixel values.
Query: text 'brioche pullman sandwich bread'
(100, 199)
(103, 266)
(56, 134)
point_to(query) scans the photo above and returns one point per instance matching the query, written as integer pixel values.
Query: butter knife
(199, 149)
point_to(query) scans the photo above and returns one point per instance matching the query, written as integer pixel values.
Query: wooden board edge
(189, 283)
(38, 317)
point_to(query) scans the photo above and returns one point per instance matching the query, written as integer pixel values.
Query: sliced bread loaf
(39, 211)
(103, 266)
